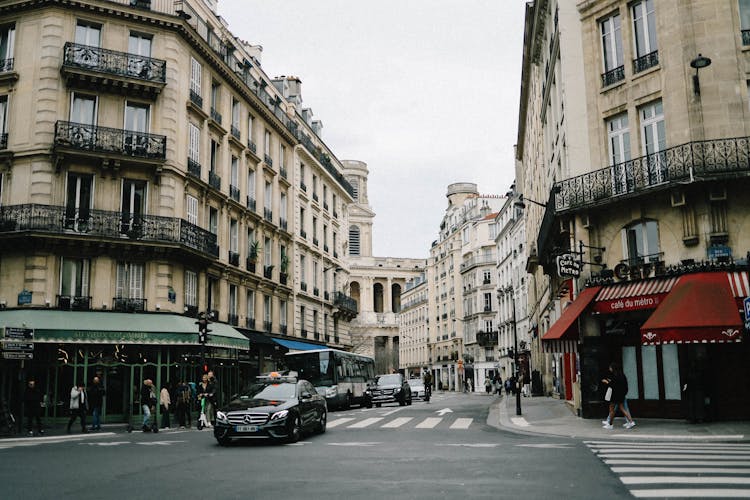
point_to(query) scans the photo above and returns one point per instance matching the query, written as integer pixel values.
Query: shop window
(671, 371)
(630, 369)
(650, 372)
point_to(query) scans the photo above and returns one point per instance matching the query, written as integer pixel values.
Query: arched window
(354, 240)
(640, 242)
(377, 296)
(396, 298)
(354, 181)
(354, 291)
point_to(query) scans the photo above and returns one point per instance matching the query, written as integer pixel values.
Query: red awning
(633, 296)
(566, 327)
(699, 309)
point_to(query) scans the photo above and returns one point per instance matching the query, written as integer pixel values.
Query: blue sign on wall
(24, 297)
(716, 251)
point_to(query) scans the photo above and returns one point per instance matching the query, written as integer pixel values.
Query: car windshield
(415, 382)
(284, 390)
(394, 379)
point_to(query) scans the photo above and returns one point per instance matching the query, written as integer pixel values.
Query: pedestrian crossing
(652, 469)
(401, 423)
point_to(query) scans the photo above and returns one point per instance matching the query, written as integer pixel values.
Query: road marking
(111, 443)
(443, 411)
(676, 462)
(462, 423)
(681, 437)
(470, 445)
(691, 493)
(544, 445)
(398, 422)
(429, 423)
(519, 421)
(684, 480)
(353, 444)
(365, 423)
(669, 449)
(391, 412)
(666, 443)
(159, 443)
(338, 422)
(675, 456)
(678, 470)
(69, 437)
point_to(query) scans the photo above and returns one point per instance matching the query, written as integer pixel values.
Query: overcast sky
(424, 91)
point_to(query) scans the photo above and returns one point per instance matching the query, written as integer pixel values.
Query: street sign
(568, 266)
(17, 355)
(746, 303)
(15, 333)
(13, 345)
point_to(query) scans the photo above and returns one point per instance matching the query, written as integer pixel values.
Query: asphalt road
(419, 451)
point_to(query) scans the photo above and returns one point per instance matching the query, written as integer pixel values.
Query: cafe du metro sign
(568, 266)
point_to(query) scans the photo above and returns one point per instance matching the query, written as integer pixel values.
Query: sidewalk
(554, 417)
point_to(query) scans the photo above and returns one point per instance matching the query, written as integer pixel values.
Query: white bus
(338, 375)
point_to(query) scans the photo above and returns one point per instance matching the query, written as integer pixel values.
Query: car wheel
(323, 422)
(377, 405)
(295, 430)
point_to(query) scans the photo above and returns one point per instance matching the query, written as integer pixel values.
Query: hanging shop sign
(568, 266)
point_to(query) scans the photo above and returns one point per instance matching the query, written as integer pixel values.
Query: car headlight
(222, 417)
(331, 392)
(279, 414)
(396, 390)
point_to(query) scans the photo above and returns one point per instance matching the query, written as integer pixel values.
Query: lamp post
(508, 291)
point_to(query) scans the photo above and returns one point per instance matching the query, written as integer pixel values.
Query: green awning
(55, 326)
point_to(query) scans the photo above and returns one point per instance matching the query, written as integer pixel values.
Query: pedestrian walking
(165, 402)
(618, 383)
(205, 397)
(32, 400)
(148, 401)
(96, 400)
(488, 385)
(182, 403)
(78, 402)
(499, 384)
(507, 386)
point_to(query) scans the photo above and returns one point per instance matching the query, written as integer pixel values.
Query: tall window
(315, 185)
(129, 281)
(233, 236)
(267, 252)
(234, 173)
(250, 126)
(302, 220)
(191, 289)
(283, 312)
(282, 155)
(196, 70)
(250, 304)
(654, 141)
(133, 205)
(213, 220)
(315, 228)
(74, 277)
(79, 201)
(618, 134)
(191, 209)
(88, 33)
(268, 196)
(83, 109)
(282, 206)
(612, 50)
(354, 181)
(235, 113)
(214, 156)
(194, 143)
(136, 123)
(215, 95)
(139, 44)
(316, 273)
(267, 312)
(267, 143)
(745, 19)
(641, 242)
(233, 302)
(7, 41)
(251, 184)
(487, 301)
(3, 120)
(644, 26)
(302, 269)
(354, 240)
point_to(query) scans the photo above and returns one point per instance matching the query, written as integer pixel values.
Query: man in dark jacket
(148, 401)
(96, 399)
(32, 399)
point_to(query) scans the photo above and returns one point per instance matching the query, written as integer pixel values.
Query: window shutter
(136, 281)
(120, 280)
(84, 278)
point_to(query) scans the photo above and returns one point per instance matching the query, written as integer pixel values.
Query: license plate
(246, 428)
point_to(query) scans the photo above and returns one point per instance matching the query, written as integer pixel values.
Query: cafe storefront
(122, 349)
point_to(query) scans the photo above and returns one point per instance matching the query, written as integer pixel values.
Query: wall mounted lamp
(698, 63)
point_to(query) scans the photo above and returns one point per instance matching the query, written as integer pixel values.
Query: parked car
(277, 406)
(391, 388)
(417, 389)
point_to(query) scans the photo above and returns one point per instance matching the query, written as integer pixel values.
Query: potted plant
(252, 255)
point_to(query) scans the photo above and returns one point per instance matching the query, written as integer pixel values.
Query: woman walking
(618, 383)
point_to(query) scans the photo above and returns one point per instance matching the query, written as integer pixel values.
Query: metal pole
(515, 353)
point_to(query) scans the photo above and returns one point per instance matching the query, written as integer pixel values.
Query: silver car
(417, 389)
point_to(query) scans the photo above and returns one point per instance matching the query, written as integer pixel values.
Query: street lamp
(322, 297)
(509, 291)
(699, 62)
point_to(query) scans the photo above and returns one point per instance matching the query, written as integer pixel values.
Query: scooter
(202, 420)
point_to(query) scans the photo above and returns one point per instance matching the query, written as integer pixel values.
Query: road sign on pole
(746, 303)
(17, 355)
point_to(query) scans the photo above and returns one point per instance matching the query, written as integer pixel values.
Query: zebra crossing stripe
(364, 423)
(676, 456)
(682, 470)
(657, 444)
(337, 422)
(429, 423)
(694, 462)
(691, 493)
(462, 423)
(397, 422)
(682, 451)
(684, 480)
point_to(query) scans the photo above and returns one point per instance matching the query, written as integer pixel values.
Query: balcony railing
(284, 329)
(251, 203)
(613, 76)
(128, 305)
(303, 333)
(6, 65)
(325, 205)
(234, 258)
(268, 160)
(283, 224)
(315, 241)
(252, 146)
(99, 224)
(116, 141)
(303, 186)
(316, 291)
(486, 339)
(233, 320)
(303, 233)
(268, 272)
(196, 98)
(215, 115)
(214, 180)
(303, 286)
(234, 193)
(344, 302)
(194, 168)
(745, 37)
(250, 323)
(268, 214)
(315, 196)
(326, 296)
(235, 132)
(645, 62)
(250, 264)
(71, 303)
(282, 171)
(267, 326)
(112, 62)
(710, 158)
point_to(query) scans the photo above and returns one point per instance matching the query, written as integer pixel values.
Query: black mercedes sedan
(277, 407)
(391, 388)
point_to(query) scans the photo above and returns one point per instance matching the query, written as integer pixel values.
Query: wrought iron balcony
(335, 254)
(4, 141)
(251, 146)
(235, 131)
(316, 291)
(215, 115)
(94, 140)
(283, 224)
(700, 159)
(486, 339)
(315, 196)
(282, 278)
(303, 233)
(325, 248)
(234, 193)
(267, 326)
(268, 214)
(122, 304)
(268, 272)
(346, 304)
(325, 205)
(233, 320)
(250, 323)
(104, 224)
(303, 333)
(303, 186)
(196, 99)
(250, 264)
(251, 203)
(103, 69)
(268, 160)
(315, 241)
(6, 65)
(72, 303)
(214, 180)
(316, 335)
(234, 258)
(282, 171)
(194, 168)
(303, 286)
(613, 76)
(283, 329)
(326, 295)
(645, 62)
(745, 37)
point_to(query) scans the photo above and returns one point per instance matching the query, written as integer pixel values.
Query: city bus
(338, 375)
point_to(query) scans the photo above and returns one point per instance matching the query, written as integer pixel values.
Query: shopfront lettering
(629, 304)
(639, 271)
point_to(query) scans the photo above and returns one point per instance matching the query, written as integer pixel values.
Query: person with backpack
(182, 404)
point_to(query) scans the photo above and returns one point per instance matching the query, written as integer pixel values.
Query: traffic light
(203, 329)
